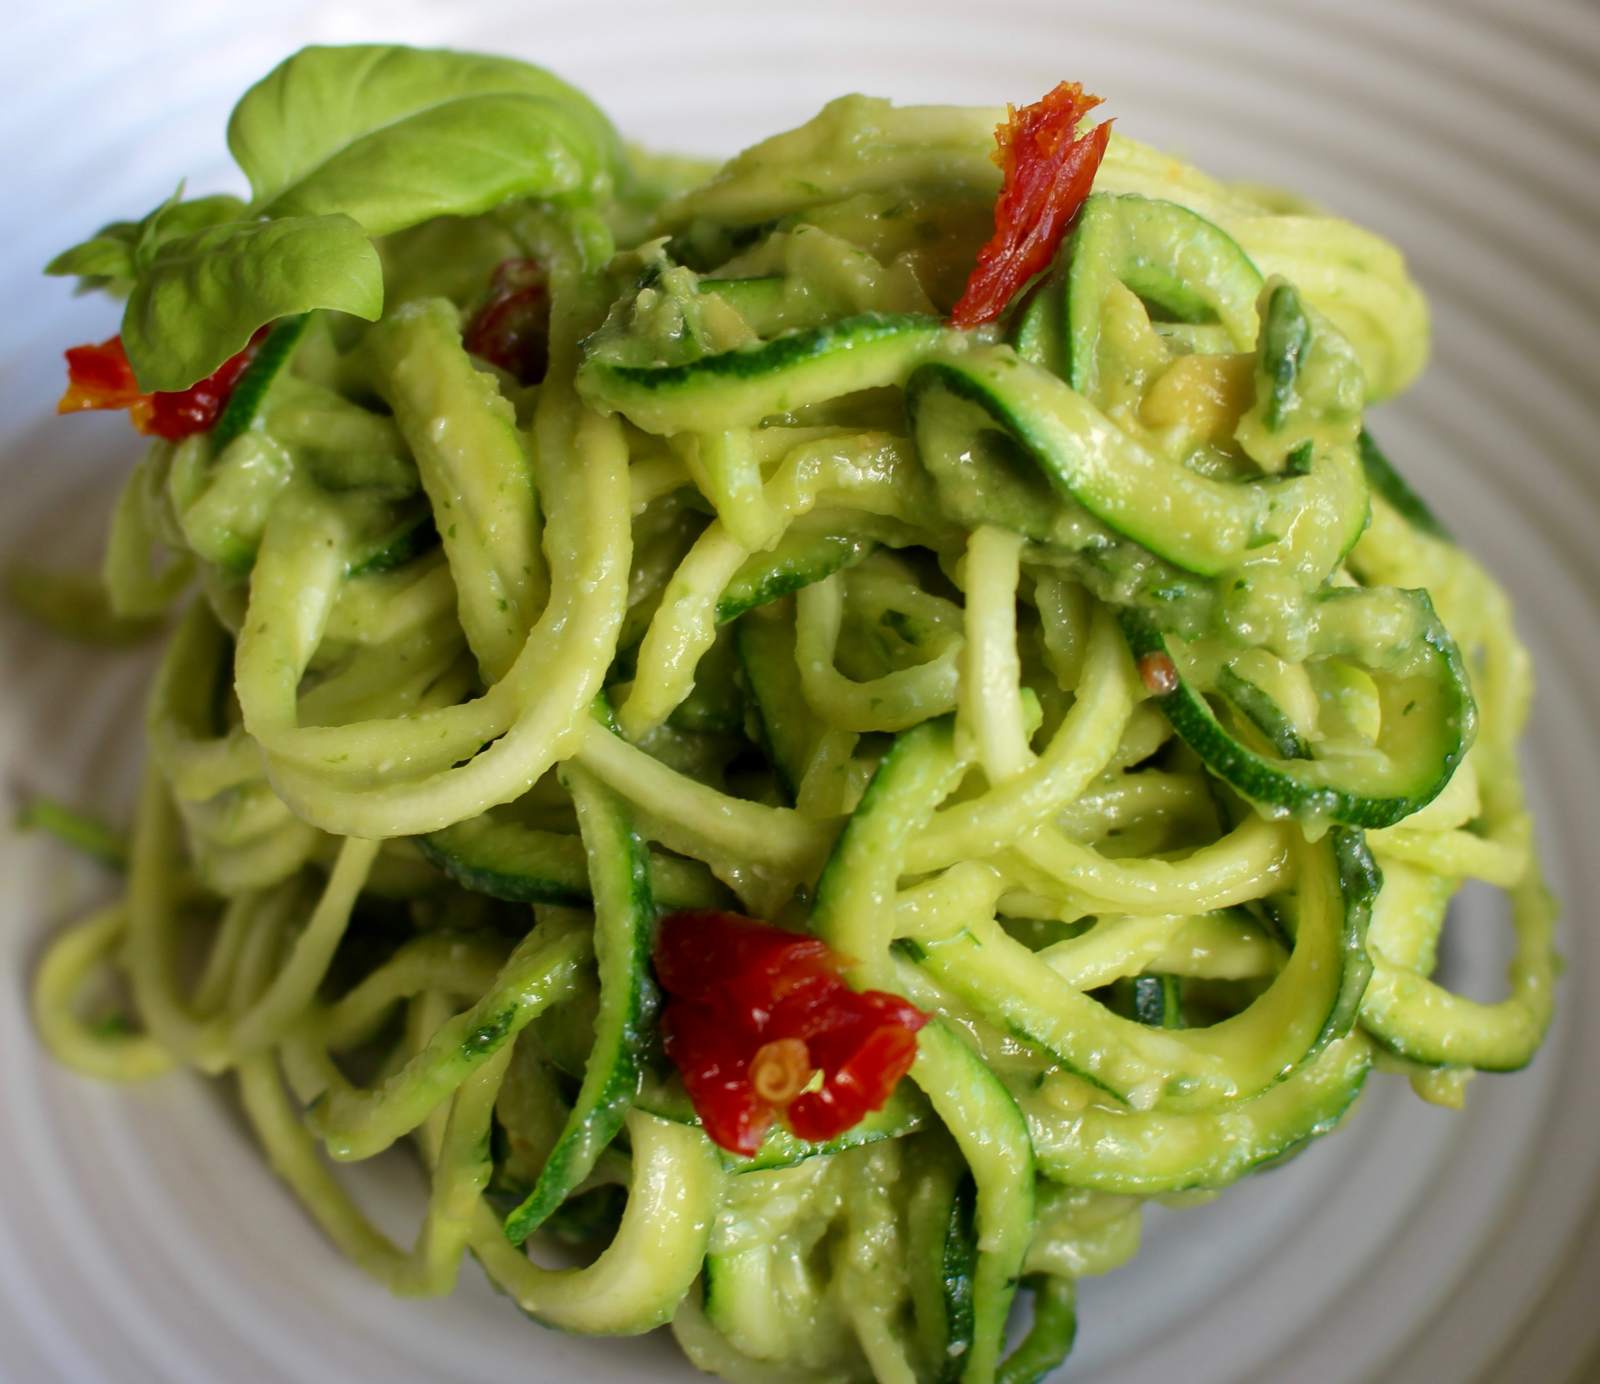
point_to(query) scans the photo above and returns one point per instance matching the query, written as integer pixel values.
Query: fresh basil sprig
(340, 145)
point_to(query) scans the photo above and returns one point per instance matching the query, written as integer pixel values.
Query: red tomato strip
(99, 377)
(1049, 170)
(753, 1013)
(512, 328)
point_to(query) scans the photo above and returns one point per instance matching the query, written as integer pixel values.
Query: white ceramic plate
(141, 1238)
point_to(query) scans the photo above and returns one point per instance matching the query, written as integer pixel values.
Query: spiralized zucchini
(1077, 677)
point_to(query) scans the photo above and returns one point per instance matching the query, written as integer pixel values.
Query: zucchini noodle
(1088, 677)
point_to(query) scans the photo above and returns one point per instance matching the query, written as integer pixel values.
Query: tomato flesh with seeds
(1048, 171)
(100, 377)
(738, 989)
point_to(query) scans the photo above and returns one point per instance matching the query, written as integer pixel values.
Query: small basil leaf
(146, 237)
(104, 256)
(394, 136)
(204, 294)
(173, 219)
(118, 253)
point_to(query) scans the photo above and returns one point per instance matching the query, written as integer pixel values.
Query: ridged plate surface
(141, 1237)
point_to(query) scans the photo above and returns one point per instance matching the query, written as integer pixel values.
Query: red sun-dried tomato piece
(512, 328)
(99, 377)
(744, 994)
(1049, 169)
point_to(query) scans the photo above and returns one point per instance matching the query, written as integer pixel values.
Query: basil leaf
(116, 254)
(394, 136)
(175, 218)
(102, 256)
(204, 294)
(445, 162)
